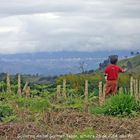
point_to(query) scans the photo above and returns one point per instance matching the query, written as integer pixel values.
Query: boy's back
(112, 71)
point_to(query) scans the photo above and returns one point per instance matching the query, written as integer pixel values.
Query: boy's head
(113, 59)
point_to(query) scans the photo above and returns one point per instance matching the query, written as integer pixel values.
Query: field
(73, 107)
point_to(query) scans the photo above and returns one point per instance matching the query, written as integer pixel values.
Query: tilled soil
(60, 123)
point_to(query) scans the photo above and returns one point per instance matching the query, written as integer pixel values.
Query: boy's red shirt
(112, 71)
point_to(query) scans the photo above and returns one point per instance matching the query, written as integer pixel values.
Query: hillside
(132, 63)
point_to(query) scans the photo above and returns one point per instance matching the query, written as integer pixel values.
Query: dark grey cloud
(56, 25)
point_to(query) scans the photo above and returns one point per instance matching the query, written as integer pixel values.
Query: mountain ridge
(53, 63)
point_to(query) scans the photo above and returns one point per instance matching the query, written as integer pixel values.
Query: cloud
(91, 25)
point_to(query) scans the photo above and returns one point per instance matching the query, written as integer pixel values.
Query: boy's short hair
(113, 59)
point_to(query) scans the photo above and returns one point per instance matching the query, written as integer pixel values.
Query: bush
(118, 105)
(6, 112)
(34, 104)
(76, 103)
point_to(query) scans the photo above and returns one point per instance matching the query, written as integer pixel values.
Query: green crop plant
(37, 104)
(75, 103)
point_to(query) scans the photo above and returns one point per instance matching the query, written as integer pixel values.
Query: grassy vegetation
(132, 63)
(86, 134)
(121, 104)
(6, 112)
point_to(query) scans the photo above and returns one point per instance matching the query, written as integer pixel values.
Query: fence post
(131, 86)
(19, 85)
(120, 90)
(139, 89)
(8, 83)
(64, 88)
(103, 96)
(86, 95)
(25, 87)
(100, 93)
(136, 89)
(27, 91)
(58, 92)
(134, 82)
(86, 91)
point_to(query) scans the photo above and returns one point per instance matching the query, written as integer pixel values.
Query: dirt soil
(62, 123)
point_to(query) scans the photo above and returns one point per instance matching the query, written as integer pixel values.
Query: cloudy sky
(70, 25)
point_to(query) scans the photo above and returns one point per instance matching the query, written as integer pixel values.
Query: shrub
(76, 103)
(6, 112)
(118, 105)
(34, 104)
(39, 105)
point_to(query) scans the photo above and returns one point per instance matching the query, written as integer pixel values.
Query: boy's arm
(125, 69)
(122, 70)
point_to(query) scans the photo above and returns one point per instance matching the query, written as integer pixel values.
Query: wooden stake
(103, 96)
(139, 90)
(19, 85)
(27, 91)
(86, 96)
(136, 86)
(64, 88)
(8, 83)
(58, 92)
(100, 93)
(25, 87)
(131, 86)
(86, 91)
(120, 90)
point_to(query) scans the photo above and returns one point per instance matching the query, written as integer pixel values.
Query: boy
(111, 75)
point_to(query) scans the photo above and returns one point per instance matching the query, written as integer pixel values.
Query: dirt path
(57, 124)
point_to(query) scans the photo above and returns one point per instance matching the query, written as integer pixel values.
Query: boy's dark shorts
(111, 87)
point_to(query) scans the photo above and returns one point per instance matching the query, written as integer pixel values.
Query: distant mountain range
(54, 63)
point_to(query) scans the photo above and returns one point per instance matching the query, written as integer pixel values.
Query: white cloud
(44, 25)
(7, 29)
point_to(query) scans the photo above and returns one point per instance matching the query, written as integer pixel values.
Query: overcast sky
(70, 25)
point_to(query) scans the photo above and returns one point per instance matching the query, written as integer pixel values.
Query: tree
(82, 66)
(132, 53)
(129, 65)
(100, 66)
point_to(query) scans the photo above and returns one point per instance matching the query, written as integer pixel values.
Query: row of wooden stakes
(64, 94)
(134, 90)
(26, 89)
